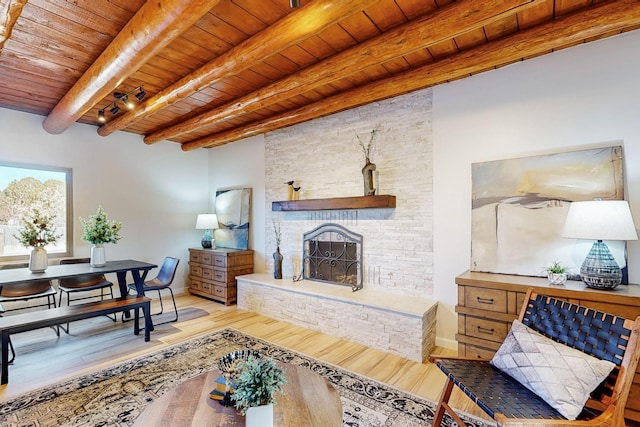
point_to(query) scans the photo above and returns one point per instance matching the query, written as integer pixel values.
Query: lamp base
(207, 240)
(599, 269)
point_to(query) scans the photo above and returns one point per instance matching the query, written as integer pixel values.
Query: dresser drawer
(486, 299)
(486, 329)
(195, 284)
(219, 261)
(208, 273)
(195, 270)
(227, 292)
(474, 352)
(228, 276)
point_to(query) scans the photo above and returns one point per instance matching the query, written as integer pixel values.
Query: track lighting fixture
(126, 101)
(294, 3)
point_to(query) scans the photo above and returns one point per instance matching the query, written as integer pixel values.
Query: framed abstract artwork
(519, 207)
(232, 208)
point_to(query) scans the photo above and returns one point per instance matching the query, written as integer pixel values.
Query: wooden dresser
(488, 304)
(212, 272)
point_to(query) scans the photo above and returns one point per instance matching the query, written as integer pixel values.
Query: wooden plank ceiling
(216, 71)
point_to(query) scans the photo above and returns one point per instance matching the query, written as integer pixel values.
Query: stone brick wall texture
(325, 159)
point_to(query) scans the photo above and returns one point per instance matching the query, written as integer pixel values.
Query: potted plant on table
(98, 230)
(556, 273)
(254, 387)
(37, 233)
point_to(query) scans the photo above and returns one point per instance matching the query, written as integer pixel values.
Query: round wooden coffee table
(307, 400)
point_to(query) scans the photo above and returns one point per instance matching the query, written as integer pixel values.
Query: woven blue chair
(602, 335)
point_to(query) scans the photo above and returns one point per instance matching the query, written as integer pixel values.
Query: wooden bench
(56, 316)
(510, 403)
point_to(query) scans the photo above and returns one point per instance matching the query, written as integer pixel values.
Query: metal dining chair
(84, 284)
(161, 282)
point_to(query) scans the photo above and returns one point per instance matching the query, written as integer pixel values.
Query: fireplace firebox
(333, 254)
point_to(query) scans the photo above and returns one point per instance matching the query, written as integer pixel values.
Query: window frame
(68, 172)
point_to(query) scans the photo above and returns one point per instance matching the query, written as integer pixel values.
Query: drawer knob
(485, 300)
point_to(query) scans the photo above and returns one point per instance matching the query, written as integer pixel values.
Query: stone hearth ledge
(399, 324)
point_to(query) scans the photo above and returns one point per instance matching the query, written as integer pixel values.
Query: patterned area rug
(116, 396)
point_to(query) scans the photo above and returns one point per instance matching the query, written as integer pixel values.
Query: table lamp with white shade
(600, 220)
(207, 222)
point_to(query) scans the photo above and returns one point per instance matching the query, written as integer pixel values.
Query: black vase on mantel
(277, 264)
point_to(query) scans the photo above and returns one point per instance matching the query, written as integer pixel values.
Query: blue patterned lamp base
(207, 239)
(599, 269)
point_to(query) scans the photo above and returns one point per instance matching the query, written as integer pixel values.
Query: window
(24, 188)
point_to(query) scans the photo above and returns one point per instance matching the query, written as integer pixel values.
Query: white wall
(155, 191)
(582, 97)
(241, 165)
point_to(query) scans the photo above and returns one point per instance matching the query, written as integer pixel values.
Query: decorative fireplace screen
(333, 254)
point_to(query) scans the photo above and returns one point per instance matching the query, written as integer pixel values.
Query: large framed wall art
(232, 208)
(519, 207)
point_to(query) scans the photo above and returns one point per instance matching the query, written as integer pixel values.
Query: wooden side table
(307, 400)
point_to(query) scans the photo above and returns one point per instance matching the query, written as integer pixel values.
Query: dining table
(138, 270)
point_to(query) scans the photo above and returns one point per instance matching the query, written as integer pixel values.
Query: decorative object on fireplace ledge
(368, 171)
(600, 220)
(277, 256)
(296, 193)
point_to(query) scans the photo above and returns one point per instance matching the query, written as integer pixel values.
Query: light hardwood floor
(44, 359)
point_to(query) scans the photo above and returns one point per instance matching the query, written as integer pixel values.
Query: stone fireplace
(332, 254)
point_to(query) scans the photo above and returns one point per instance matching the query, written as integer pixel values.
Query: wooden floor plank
(44, 359)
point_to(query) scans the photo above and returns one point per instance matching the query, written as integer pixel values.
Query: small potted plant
(37, 233)
(98, 230)
(254, 387)
(556, 273)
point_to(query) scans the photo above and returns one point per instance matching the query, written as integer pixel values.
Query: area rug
(116, 396)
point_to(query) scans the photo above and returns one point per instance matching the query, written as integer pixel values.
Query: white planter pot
(38, 260)
(260, 416)
(557, 278)
(98, 256)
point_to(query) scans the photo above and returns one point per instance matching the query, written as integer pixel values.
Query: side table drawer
(486, 299)
(208, 273)
(195, 284)
(486, 329)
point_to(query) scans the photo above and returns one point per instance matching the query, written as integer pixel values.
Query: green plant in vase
(98, 230)
(256, 383)
(556, 273)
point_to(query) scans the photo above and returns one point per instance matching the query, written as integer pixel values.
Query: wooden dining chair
(84, 284)
(161, 282)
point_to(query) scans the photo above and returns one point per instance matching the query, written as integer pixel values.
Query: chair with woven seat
(556, 355)
(85, 283)
(161, 282)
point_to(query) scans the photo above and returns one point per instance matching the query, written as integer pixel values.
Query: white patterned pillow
(563, 376)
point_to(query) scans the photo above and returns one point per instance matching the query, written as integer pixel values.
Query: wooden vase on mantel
(38, 260)
(367, 175)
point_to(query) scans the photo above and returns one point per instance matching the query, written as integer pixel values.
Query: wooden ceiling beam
(10, 11)
(152, 28)
(604, 18)
(296, 26)
(451, 21)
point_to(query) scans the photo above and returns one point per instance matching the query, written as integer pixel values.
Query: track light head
(115, 110)
(294, 3)
(101, 117)
(127, 102)
(140, 95)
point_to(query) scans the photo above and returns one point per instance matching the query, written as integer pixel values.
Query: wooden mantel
(336, 203)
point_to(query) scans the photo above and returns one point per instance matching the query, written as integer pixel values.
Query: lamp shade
(600, 220)
(207, 222)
